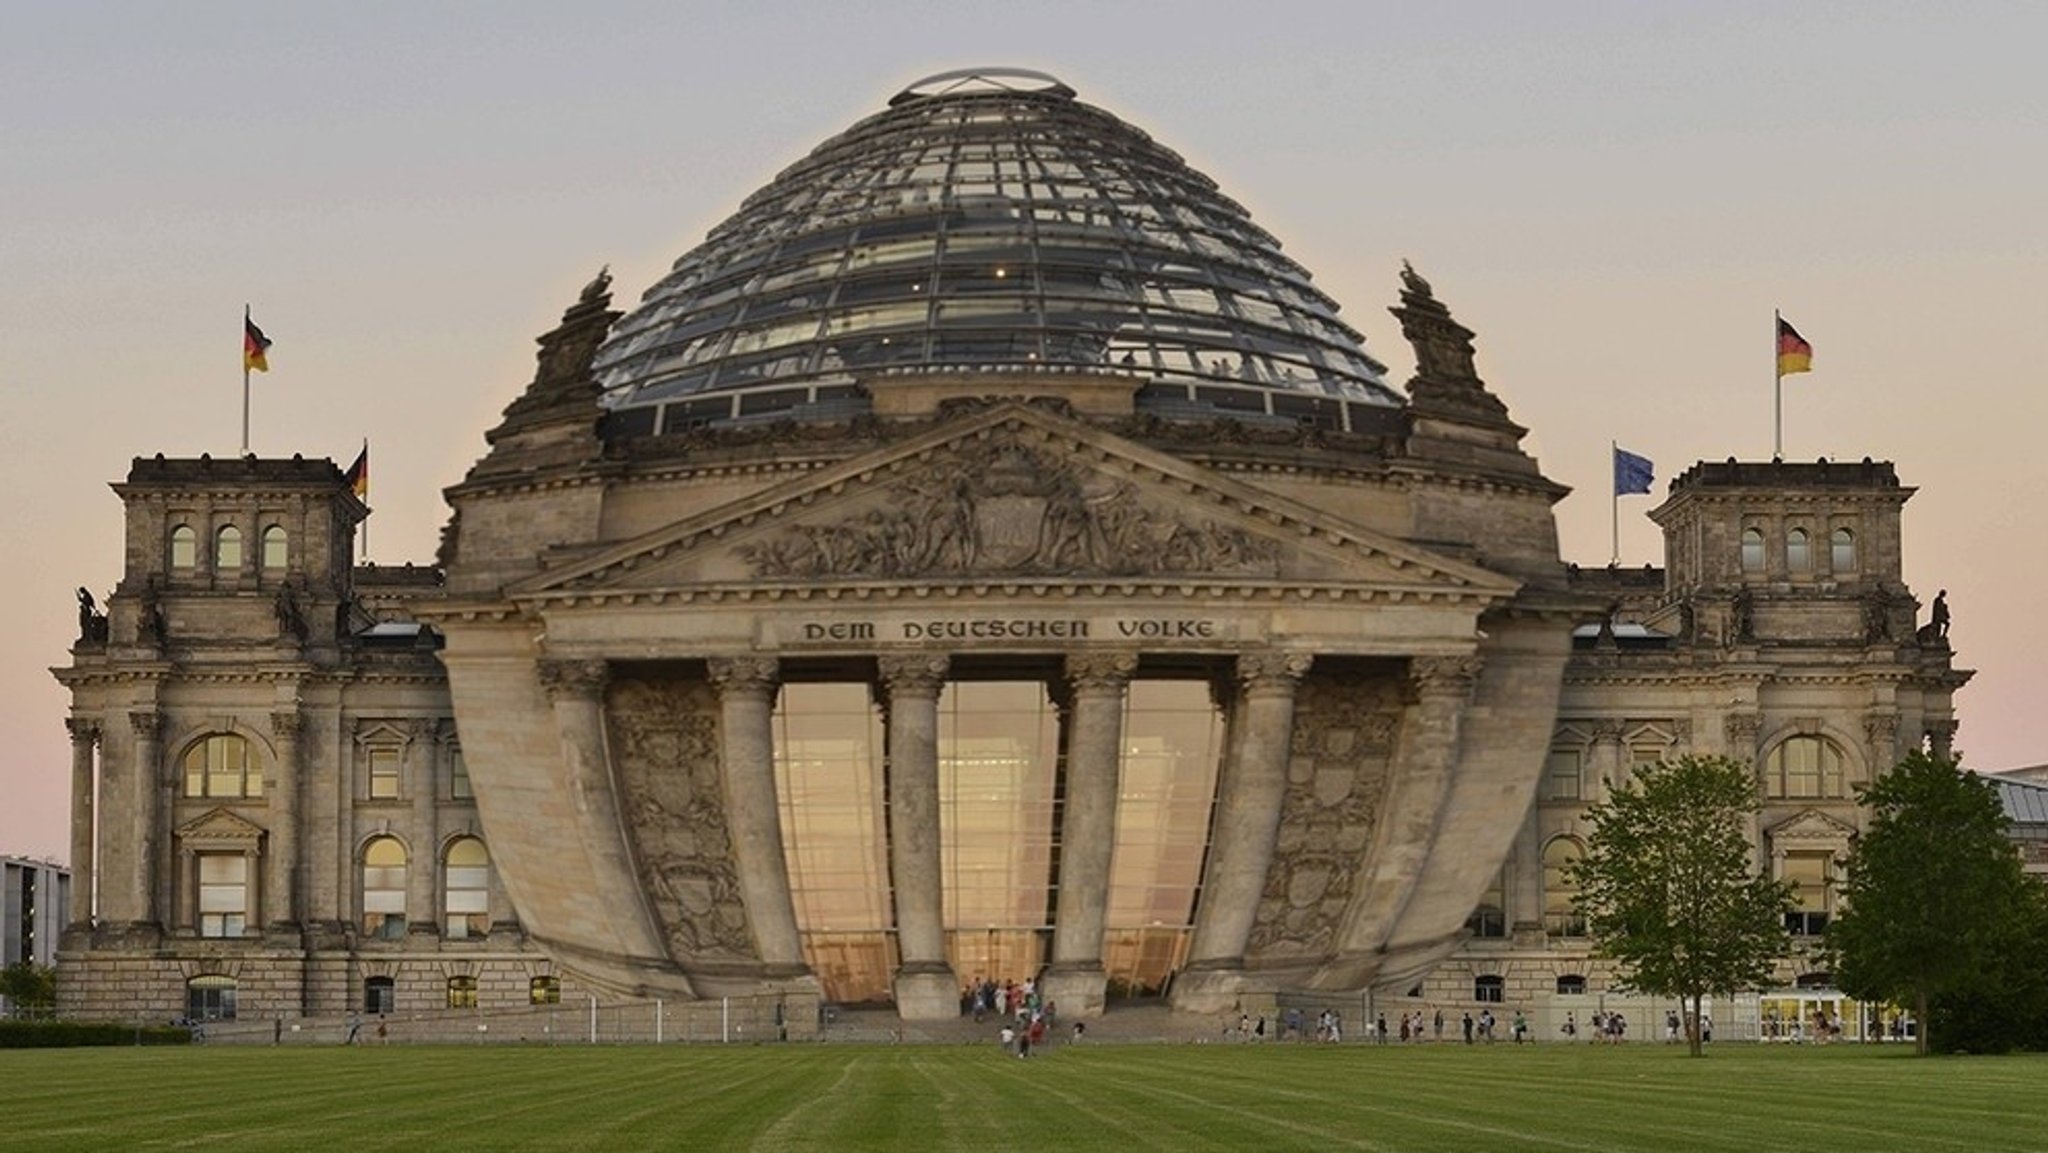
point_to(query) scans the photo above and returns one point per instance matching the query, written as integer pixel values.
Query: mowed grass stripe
(1742, 1099)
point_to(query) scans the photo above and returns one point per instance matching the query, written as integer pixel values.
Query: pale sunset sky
(1615, 196)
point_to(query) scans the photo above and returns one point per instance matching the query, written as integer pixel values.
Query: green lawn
(1168, 1097)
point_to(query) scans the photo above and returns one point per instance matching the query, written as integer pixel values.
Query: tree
(1938, 912)
(1670, 888)
(28, 986)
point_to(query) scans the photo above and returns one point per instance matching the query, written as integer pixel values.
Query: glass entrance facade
(1001, 782)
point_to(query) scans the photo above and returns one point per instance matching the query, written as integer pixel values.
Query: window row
(223, 766)
(226, 889)
(213, 997)
(274, 549)
(1797, 768)
(1799, 551)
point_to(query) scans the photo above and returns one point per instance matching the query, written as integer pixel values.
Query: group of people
(1028, 1019)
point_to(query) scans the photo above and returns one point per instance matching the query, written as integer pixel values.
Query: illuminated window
(468, 899)
(220, 766)
(227, 549)
(828, 784)
(1804, 768)
(223, 894)
(384, 869)
(1842, 551)
(384, 764)
(1798, 551)
(544, 991)
(462, 992)
(1490, 917)
(184, 547)
(210, 999)
(1172, 744)
(1561, 917)
(275, 552)
(1812, 893)
(998, 826)
(1752, 550)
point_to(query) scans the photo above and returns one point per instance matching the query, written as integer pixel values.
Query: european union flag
(1632, 473)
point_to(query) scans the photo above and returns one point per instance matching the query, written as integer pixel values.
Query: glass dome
(986, 219)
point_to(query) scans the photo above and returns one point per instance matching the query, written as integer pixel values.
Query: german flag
(255, 346)
(358, 474)
(1794, 354)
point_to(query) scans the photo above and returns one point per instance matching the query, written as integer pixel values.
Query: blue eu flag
(1632, 473)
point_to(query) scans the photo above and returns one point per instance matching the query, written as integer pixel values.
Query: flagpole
(366, 499)
(1777, 389)
(1614, 503)
(245, 384)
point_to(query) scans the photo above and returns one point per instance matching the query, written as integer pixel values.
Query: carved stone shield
(1007, 529)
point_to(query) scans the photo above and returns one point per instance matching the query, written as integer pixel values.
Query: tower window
(227, 549)
(1798, 551)
(184, 547)
(1842, 551)
(1752, 550)
(275, 552)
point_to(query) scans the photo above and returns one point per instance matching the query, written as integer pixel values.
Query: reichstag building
(986, 555)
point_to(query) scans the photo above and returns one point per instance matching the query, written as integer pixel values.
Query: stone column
(1881, 733)
(152, 820)
(281, 856)
(1941, 739)
(1525, 898)
(185, 918)
(423, 910)
(576, 690)
(1243, 831)
(746, 762)
(1076, 979)
(85, 733)
(1604, 764)
(925, 985)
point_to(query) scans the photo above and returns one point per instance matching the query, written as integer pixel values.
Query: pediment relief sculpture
(219, 828)
(1018, 512)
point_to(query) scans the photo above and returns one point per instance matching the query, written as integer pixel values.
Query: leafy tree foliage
(28, 986)
(1939, 914)
(1670, 888)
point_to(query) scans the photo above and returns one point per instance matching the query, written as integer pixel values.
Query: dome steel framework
(986, 219)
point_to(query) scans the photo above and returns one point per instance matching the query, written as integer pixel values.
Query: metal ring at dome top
(947, 83)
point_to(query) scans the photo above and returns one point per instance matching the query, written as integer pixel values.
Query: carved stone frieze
(1453, 675)
(664, 735)
(1608, 732)
(148, 724)
(1881, 728)
(1337, 774)
(1013, 509)
(84, 730)
(285, 725)
(1742, 730)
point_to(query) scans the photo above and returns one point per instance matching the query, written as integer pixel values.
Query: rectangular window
(384, 766)
(458, 776)
(462, 992)
(223, 894)
(1808, 873)
(1561, 775)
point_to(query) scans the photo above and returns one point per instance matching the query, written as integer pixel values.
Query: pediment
(1016, 495)
(1811, 826)
(221, 828)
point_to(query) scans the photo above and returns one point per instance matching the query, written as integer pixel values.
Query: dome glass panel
(986, 219)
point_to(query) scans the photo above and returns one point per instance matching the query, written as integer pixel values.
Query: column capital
(285, 726)
(1454, 675)
(1742, 730)
(1272, 669)
(573, 679)
(1607, 732)
(147, 723)
(424, 729)
(1881, 727)
(1109, 671)
(744, 674)
(84, 730)
(913, 672)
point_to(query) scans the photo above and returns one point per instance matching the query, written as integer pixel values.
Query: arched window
(1842, 551)
(1489, 989)
(1798, 551)
(184, 548)
(462, 992)
(1490, 917)
(220, 766)
(545, 991)
(384, 861)
(380, 995)
(210, 998)
(467, 905)
(275, 552)
(1571, 985)
(227, 549)
(1752, 550)
(1561, 917)
(1802, 768)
